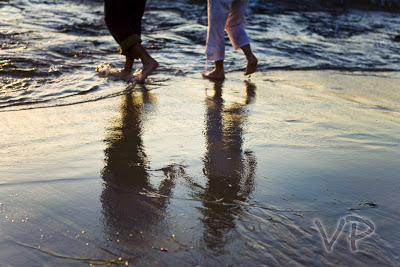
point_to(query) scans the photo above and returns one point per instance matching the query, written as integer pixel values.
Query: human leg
(136, 14)
(149, 63)
(136, 10)
(138, 51)
(123, 19)
(252, 61)
(217, 72)
(117, 18)
(235, 28)
(218, 11)
(126, 72)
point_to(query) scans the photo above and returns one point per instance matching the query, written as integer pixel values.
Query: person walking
(229, 16)
(124, 21)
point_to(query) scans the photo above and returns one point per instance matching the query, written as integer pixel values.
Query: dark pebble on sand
(370, 203)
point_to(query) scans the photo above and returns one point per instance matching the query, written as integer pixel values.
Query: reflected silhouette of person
(125, 209)
(229, 170)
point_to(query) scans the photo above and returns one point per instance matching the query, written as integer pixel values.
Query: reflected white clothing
(228, 15)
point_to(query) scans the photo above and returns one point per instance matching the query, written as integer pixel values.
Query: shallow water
(183, 171)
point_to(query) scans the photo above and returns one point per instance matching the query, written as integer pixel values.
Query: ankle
(252, 59)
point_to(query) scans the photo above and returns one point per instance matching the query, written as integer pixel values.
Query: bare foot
(125, 75)
(214, 74)
(150, 66)
(126, 72)
(251, 65)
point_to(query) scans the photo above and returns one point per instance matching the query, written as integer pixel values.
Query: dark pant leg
(137, 7)
(123, 19)
(115, 15)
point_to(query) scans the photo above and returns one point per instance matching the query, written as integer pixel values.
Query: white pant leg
(218, 11)
(235, 24)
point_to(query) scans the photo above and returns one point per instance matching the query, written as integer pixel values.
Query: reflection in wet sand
(229, 170)
(131, 218)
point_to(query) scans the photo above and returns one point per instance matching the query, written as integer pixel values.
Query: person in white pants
(228, 15)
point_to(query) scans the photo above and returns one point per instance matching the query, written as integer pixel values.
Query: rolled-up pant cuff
(129, 42)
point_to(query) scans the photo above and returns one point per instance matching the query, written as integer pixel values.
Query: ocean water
(187, 172)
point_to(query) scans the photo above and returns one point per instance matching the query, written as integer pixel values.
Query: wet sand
(184, 171)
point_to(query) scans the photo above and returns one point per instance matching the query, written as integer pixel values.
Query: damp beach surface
(184, 171)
